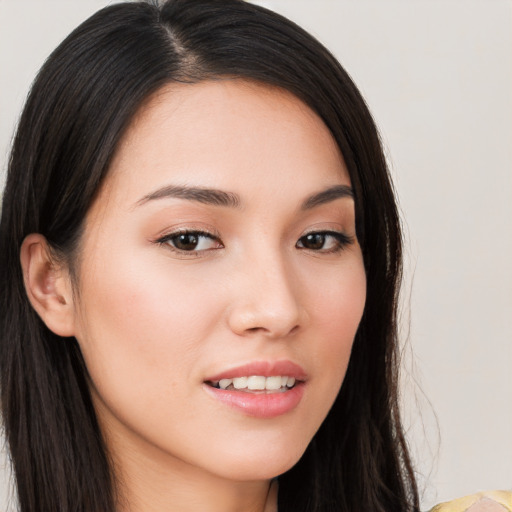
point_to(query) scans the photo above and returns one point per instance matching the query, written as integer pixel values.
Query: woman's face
(220, 253)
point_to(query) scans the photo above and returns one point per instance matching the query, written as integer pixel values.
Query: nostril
(272, 332)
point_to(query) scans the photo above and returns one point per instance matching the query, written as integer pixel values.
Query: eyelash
(341, 241)
(167, 240)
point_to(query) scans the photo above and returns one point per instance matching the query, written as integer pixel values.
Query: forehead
(229, 134)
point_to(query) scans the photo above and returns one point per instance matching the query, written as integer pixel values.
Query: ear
(48, 285)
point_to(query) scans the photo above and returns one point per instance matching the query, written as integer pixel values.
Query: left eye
(191, 241)
(325, 241)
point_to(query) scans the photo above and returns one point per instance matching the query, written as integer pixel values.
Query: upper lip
(263, 368)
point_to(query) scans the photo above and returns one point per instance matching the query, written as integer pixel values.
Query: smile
(261, 389)
(256, 383)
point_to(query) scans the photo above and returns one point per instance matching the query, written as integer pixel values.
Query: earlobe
(48, 285)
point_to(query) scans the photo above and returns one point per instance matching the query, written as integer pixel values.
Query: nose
(266, 300)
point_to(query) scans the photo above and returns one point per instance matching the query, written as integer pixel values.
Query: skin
(154, 322)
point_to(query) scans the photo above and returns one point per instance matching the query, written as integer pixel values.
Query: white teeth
(240, 382)
(273, 383)
(257, 383)
(224, 383)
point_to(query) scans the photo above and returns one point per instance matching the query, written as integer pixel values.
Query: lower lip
(259, 405)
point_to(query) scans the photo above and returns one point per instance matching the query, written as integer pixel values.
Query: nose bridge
(267, 300)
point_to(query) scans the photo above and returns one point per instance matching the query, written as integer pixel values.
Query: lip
(263, 368)
(260, 404)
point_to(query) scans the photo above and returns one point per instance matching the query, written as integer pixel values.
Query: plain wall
(437, 76)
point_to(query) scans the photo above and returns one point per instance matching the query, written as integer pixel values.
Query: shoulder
(490, 501)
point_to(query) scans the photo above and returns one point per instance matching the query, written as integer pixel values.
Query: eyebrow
(201, 195)
(231, 200)
(326, 196)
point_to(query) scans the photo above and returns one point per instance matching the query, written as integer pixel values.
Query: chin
(261, 463)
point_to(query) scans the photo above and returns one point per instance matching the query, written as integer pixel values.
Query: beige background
(438, 78)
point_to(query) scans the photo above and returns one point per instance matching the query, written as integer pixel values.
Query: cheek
(141, 326)
(335, 303)
(144, 296)
(143, 340)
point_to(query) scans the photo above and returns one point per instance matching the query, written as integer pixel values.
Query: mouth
(256, 384)
(262, 389)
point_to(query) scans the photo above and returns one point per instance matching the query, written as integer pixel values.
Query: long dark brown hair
(80, 104)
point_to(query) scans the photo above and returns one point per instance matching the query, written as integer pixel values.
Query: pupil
(186, 242)
(315, 241)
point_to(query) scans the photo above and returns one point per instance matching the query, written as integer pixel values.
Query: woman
(209, 248)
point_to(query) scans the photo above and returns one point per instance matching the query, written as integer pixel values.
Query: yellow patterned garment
(492, 501)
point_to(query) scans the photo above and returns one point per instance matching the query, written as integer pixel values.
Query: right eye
(191, 241)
